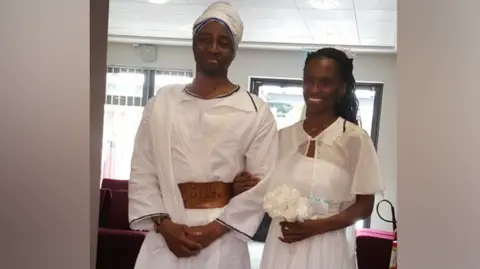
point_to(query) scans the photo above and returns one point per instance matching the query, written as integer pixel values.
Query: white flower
(304, 209)
(290, 212)
(287, 203)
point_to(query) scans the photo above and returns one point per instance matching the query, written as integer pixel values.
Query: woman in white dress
(331, 161)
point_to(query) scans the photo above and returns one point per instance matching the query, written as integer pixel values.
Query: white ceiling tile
(276, 37)
(248, 13)
(161, 20)
(331, 26)
(324, 4)
(160, 30)
(376, 15)
(334, 32)
(375, 4)
(147, 33)
(250, 3)
(276, 31)
(152, 10)
(377, 33)
(269, 21)
(266, 25)
(328, 15)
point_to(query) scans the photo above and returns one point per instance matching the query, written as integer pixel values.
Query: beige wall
(51, 130)
(438, 134)
(289, 64)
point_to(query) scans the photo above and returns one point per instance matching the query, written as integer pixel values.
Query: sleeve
(244, 213)
(364, 165)
(144, 195)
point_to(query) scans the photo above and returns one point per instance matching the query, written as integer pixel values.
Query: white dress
(345, 165)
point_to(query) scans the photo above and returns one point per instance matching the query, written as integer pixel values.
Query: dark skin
(213, 52)
(177, 240)
(243, 182)
(323, 86)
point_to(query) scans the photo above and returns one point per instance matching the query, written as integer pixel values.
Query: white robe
(345, 165)
(185, 139)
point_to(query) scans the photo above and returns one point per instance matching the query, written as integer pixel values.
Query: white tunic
(185, 139)
(344, 166)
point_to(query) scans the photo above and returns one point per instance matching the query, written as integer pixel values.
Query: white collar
(240, 100)
(328, 136)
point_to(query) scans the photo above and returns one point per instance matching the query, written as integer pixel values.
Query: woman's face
(322, 85)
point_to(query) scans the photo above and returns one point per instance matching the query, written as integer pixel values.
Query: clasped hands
(297, 231)
(184, 241)
(291, 231)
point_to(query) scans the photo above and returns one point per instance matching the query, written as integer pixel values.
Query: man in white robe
(192, 141)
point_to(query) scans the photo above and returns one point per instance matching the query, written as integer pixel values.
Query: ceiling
(302, 23)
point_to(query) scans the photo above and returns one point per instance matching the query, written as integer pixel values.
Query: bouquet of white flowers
(287, 203)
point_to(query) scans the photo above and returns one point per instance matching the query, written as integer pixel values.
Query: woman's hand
(243, 182)
(298, 231)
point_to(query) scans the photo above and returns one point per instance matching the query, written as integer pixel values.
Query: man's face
(213, 49)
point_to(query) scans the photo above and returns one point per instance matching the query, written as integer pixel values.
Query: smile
(315, 100)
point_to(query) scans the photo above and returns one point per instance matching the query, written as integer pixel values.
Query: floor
(256, 250)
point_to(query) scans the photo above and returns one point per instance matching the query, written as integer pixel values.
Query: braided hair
(347, 106)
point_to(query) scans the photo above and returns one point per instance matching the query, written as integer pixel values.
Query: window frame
(148, 90)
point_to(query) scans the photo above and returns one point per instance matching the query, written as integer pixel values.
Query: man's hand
(243, 182)
(176, 238)
(206, 234)
(298, 231)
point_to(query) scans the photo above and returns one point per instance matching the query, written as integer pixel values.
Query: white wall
(438, 134)
(51, 114)
(290, 64)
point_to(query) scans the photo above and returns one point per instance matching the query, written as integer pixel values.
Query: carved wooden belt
(215, 194)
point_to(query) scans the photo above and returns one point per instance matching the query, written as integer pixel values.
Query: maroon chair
(374, 249)
(118, 245)
(118, 249)
(105, 206)
(114, 184)
(118, 213)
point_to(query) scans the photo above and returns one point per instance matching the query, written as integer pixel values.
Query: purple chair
(118, 245)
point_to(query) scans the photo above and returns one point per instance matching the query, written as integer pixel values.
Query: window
(128, 90)
(165, 77)
(285, 98)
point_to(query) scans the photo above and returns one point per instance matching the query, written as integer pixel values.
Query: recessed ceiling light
(323, 4)
(159, 2)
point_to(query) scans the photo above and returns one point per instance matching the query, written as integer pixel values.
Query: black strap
(237, 88)
(253, 102)
(344, 125)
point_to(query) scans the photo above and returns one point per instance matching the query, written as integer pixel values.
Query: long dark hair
(347, 106)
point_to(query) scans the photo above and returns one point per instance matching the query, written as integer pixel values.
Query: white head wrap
(225, 13)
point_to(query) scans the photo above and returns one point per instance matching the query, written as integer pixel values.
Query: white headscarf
(225, 13)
